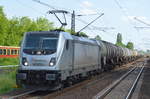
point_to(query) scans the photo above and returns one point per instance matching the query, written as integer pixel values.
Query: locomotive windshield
(49, 43)
(44, 42)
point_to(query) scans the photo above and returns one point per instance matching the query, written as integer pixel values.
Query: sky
(120, 16)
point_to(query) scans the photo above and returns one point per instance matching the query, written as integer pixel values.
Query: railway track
(83, 90)
(82, 86)
(18, 94)
(8, 66)
(123, 88)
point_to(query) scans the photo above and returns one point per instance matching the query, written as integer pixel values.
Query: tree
(83, 34)
(44, 24)
(12, 30)
(69, 31)
(148, 51)
(130, 45)
(3, 26)
(74, 33)
(119, 40)
(97, 37)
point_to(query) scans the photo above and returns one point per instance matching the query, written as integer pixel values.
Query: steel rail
(19, 95)
(108, 89)
(9, 66)
(134, 84)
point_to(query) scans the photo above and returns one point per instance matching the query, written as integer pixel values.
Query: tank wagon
(52, 59)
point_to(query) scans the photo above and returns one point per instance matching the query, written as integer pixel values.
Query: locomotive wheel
(68, 83)
(106, 68)
(62, 86)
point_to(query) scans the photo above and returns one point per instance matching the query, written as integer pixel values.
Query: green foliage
(119, 40)
(121, 44)
(3, 26)
(97, 37)
(83, 34)
(69, 31)
(130, 45)
(44, 24)
(148, 51)
(74, 33)
(9, 61)
(12, 30)
(7, 81)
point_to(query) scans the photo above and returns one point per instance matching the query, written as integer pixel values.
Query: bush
(7, 81)
(9, 61)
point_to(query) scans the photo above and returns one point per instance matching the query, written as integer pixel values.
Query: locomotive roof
(84, 39)
(69, 36)
(107, 42)
(40, 32)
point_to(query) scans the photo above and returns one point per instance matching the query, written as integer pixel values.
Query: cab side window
(67, 44)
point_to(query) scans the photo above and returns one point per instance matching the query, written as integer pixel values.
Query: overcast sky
(119, 17)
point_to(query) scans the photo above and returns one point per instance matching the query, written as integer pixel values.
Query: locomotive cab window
(67, 44)
(46, 43)
(49, 43)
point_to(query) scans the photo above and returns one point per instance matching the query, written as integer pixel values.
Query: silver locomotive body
(53, 57)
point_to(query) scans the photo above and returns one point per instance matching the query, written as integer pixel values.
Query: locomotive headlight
(26, 64)
(24, 61)
(52, 61)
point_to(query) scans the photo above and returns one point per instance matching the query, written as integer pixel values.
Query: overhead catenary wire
(55, 8)
(96, 27)
(90, 23)
(124, 12)
(45, 4)
(94, 31)
(27, 6)
(50, 6)
(141, 21)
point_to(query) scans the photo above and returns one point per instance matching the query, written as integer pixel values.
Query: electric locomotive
(52, 58)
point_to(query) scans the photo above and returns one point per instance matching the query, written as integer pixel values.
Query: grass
(9, 61)
(7, 81)
(8, 78)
